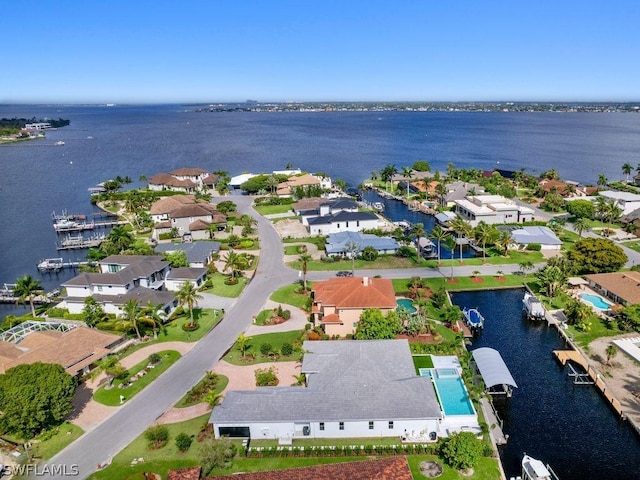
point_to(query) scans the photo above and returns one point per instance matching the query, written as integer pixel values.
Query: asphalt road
(100, 445)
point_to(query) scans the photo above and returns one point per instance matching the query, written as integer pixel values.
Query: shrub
(286, 314)
(266, 377)
(183, 442)
(404, 251)
(286, 349)
(266, 348)
(369, 254)
(157, 436)
(462, 450)
(534, 247)
(154, 358)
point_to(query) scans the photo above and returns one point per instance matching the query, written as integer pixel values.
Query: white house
(343, 222)
(543, 236)
(492, 209)
(628, 202)
(181, 275)
(365, 388)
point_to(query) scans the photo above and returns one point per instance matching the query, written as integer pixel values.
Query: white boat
(533, 469)
(65, 224)
(378, 206)
(59, 142)
(473, 318)
(533, 307)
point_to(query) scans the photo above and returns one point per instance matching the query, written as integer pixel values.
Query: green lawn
(272, 209)
(220, 386)
(275, 339)
(111, 397)
(320, 242)
(263, 317)
(337, 442)
(599, 328)
(50, 443)
(633, 246)
(515, 257)
(291, 250)
(383, 261)
(486, 469)
(289, 295)
(173, 332)
(157, 461)
(422, 361)
(401, 285)
(222, 289)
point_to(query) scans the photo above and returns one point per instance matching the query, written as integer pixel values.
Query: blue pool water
(596, 301)
(453, 396)
(406, 303)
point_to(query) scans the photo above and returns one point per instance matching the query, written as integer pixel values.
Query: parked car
(344, 273)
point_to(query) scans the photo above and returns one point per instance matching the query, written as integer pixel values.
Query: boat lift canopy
(492, 368)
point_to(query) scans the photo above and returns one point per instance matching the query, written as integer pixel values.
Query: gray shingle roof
(342, 216)
(347, 380)
(535, 234)
(186, 273)
(336, 242)
(197, 252)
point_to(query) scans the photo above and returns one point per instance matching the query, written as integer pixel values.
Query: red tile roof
(355, 293)
(393, 468)
(331, 318)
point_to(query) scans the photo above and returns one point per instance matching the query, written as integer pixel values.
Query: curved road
(101, 444)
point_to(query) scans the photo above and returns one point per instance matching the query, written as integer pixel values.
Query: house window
(370, 425)
(99, 288)
(390, 424)
(337, 225)
(357, 223)
(321, 425)
(341, 425)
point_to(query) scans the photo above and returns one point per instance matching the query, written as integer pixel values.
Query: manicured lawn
(111, 397)
(275, 339)
(633, 246)
(220, 386)
(599, 328)
(384, 261)
(320, 242)
(291, 250)
(486, 469)
(55, 442)
(289, 295)
(205, 317)
(222, 289)
(272, 209)
(338, 442)
(263, 317)
(422, 361)
(401, 285)
(515, 257)
(157, 461)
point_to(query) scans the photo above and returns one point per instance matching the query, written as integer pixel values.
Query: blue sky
(139, 51)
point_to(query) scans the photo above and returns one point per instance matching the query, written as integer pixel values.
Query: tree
(596, 255)
(304, 259)
(611, 351)
(462, 450)
(369, 253)
(439, 235)
(351, 250)
(35, 397)
(234, 263)
(216, 454)
(341, 184)
(177, 258)
(188, 295)
(553, 202)
(504, 242)
(550, 278)
(602, 180)
(577, 313)
(272, 182)
(580, 225)
(421, 166)
(226, 207)
(157, 436)
(110, 366)
(27, 288)
(243, 343)
(151, 316)
(418, 231)
(118, 240)
(627, 169)
(132, 316)
(387, 173)
(92, 312)
(581, 208)
(485, 233)
(373, 325)
(462, 229)
(407, 173)
(526, 265)
(183, 442)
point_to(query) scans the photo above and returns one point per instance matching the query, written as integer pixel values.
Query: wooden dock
(79, 227)
(49, 265)
(79, 242)
(564, 356)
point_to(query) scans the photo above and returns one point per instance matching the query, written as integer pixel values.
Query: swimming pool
(596, 301)
(408, 304)
(451, 391)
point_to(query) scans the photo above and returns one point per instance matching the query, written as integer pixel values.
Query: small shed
(494, 372)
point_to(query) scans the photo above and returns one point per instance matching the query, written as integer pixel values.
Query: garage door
(235, 432)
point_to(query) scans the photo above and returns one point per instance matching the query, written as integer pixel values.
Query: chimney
(365, 281)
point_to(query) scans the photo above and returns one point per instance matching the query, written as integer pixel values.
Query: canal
(571, 427)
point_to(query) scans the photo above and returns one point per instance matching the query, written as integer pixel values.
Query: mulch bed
(275, 321)
(501, 279)
(422, 338)
(477, 279)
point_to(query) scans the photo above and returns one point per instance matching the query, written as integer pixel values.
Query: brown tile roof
(165, 205)
(625, 285)
(331, 318)
(188, 172)
(73, 350)
(210, 179)
(308, 203)
(355, 293)
(168, 180)
(392, 468)
(284, 188)
(193, 210)
(197, 225)
(192, 473)
(551, 185)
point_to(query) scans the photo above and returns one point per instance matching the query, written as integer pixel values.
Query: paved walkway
(209, 300)
(176, 415)
(297, 321)
(243, 377)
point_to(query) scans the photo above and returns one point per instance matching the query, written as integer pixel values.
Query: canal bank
(569, 426)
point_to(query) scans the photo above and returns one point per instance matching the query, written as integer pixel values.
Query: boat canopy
(492, 368)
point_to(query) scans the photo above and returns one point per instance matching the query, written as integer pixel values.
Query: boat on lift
(533, 469)
(473, 318)
(378, 206)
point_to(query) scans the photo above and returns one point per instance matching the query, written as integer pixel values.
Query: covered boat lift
(494, 371)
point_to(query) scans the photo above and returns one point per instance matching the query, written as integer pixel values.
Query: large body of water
(548, 417)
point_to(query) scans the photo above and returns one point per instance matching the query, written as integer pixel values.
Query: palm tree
(120, 238)
(439, 235)
(387, 172)
(234, 262)
(351, 249)
(441, 192)
(503, 242)
(550, 278)
(580, 225)
(132, 316)
(611, 351)
(526, 265)
(304, 259)
(407, 173)
(27, 288)
(243, 343)
(188, 295)
(152, 317)
(450, 243)
(602, 180)
(484, 233)
(418, 230)
(272, 182)
(462, 229)
(627, 169)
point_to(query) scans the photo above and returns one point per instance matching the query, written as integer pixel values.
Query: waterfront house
(160, 209)
(342, 222)
(210, 181)
(164, 181)
(73, 346)
(179, 276)
(628, 202)
(287, 188)
(543, 236)
(337, 243)
(195, 175)
(339, 302)
(194, 219)
(458, 191)
(619, 287)
(121, 278)
(492, 209)
(199, 254)
(366, 388)
(632, 218)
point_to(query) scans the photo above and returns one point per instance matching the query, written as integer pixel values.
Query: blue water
(571, 427)
(596, 301)
(143, 140)
(453, 396)
(408, 304)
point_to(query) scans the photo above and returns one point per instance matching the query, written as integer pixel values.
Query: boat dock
(7, 295)
(78, 242)
(71, 226)
(591, 374)
(49, 265)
